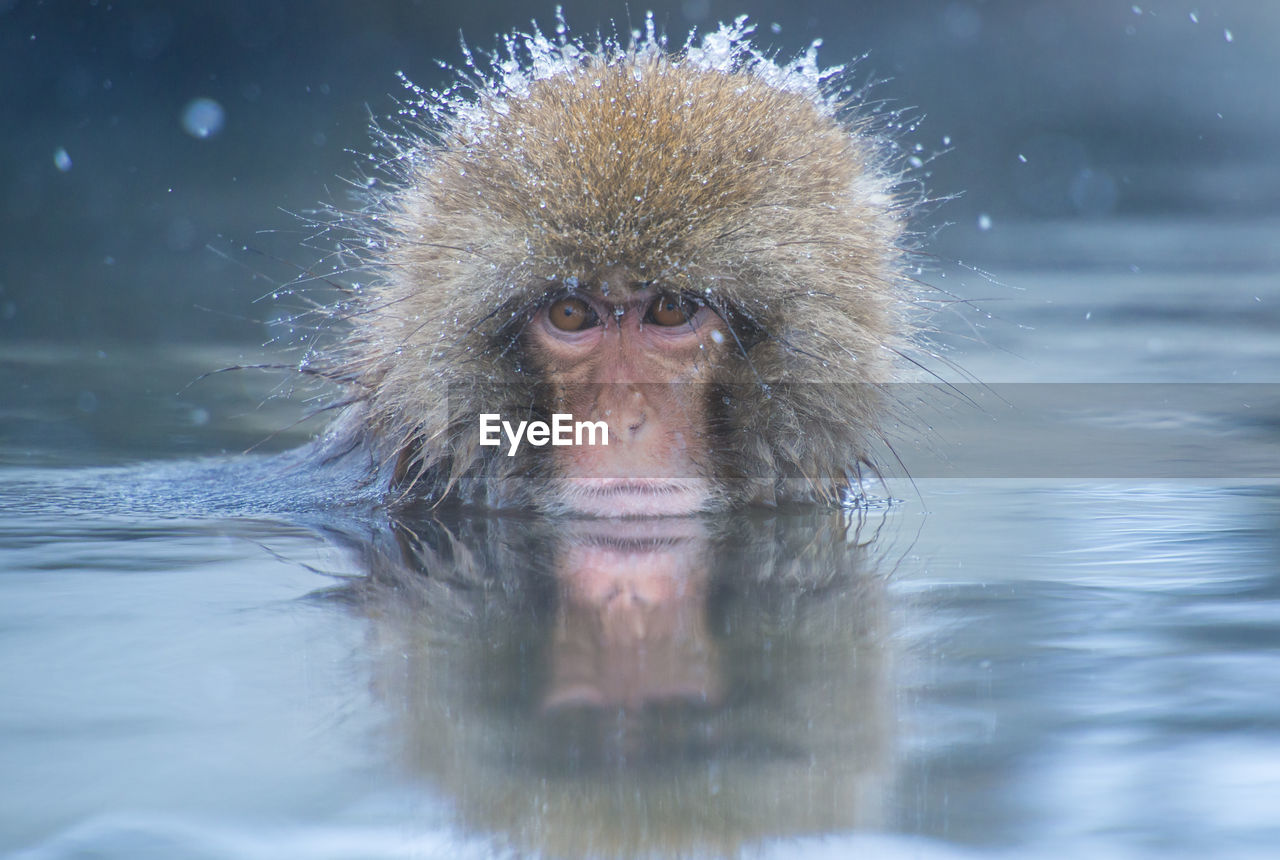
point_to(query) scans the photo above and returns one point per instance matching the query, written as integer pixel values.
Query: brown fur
(716, 183)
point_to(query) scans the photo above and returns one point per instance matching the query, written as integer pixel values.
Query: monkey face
(641, 360)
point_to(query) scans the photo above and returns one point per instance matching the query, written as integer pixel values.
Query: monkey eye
(571, 314)
(671, 309)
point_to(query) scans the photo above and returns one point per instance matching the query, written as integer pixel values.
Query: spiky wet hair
(712, 170)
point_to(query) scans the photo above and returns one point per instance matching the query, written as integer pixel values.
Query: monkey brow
(633, 286)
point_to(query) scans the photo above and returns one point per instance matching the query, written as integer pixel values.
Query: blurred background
(143, 139)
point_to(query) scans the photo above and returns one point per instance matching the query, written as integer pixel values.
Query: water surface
(199, 659)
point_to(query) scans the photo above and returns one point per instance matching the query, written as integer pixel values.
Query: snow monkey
(624, 280)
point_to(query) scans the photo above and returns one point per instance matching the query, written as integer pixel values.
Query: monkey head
(698, 250)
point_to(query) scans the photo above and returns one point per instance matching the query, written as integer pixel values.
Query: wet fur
(760, 200)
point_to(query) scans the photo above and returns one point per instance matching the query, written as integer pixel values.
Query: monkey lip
(636, 497)
(626, 486)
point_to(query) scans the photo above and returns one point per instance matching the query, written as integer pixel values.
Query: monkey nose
(626, 423)
(624, 408)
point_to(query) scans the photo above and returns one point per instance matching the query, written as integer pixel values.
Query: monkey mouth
(626, 486)
(635, 497)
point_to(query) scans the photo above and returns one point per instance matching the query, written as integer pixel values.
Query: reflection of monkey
(689, 247)
(632, 626)
(758, 698)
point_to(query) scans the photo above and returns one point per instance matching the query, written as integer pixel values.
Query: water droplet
(203, 118)
(61, 160)
(1228, 35)
(984, 222)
